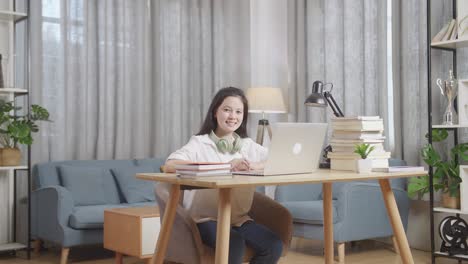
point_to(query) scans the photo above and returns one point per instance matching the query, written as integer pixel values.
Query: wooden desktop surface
(320, 176)
(325, 177)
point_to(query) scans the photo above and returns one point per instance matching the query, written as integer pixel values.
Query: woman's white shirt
(203, 204)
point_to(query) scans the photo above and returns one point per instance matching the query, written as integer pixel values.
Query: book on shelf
(438, 37)
(348, 155)
(358, 125)
(449, 30)
(378, 147)
(340, 134)
(355, 141)
(203, 166)
(355, 118)
(454, 33)
(351, 164)
(399, 169)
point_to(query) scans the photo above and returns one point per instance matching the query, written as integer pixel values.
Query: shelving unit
(447, 46)
(9, 19)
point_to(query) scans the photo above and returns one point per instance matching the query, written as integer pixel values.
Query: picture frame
(464, 188)
(462, 102)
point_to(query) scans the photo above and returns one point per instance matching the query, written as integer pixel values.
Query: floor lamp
(265, 100)
(321, 98)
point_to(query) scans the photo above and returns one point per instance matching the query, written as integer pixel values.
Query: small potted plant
(446, 171)
(363, 165)
(17, 129)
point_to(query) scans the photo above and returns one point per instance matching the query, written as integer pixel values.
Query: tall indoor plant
(446, 171)
(17, 129)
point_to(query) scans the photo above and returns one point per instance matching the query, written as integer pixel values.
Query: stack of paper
(202, 169)
(351, 131)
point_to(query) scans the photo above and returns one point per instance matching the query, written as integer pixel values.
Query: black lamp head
(316, 99)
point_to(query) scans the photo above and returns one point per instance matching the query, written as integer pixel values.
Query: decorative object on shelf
(323, 98)
(462, 18)
(2, 82)
(265, 100)
(448, 88)
(363, 165)
(16, 129)
(454, 233)
(446, 174)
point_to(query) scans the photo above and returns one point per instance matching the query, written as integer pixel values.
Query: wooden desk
(326, 177)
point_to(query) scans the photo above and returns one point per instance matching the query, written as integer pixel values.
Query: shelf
(11, 246)
(449, 210)
(451, 44)
(450, 126)
(443, 254)
(11, 15)
(20, 167)
(12, 90)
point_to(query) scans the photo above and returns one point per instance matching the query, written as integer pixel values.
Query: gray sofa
(69, 197)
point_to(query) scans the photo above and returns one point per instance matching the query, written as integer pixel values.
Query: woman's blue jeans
(263, 241)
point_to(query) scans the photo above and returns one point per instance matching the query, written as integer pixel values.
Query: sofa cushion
(153, 162)
(85, 184)
(309, 212)
(90, 216)
(133, 189)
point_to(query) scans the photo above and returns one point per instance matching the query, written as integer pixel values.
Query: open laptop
(294, 148)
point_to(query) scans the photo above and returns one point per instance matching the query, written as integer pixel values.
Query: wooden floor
(302, 251)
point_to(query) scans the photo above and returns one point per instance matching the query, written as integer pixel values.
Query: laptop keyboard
(250, 173)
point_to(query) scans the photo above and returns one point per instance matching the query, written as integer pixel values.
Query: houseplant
(446, 171)
(17, 129)
(363, 164)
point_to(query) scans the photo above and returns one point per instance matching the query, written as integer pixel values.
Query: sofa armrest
(51, 209)
(361, 208)
(180, 249)
(273, 215)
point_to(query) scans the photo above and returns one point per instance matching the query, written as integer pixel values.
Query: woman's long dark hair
(210, 123)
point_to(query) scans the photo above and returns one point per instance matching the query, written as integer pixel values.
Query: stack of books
(203, 169)
(351, 131)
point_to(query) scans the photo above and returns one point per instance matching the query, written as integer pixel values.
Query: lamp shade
(316, 99)
(265, 100)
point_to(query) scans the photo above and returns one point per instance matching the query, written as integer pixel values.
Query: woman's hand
(257, 165)
(240, 165)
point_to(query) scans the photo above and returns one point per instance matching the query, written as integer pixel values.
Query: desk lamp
(265, 100)
(321, 98)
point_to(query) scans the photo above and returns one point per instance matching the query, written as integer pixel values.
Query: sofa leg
(395, 245)
(37, 247)
(341, 253)
(64, 255)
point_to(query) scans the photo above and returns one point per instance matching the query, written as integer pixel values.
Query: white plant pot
(364, 165)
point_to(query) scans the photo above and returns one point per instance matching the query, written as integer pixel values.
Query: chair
(358, 210)
(185, 244)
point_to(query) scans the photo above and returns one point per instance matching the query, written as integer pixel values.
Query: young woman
(223, 138)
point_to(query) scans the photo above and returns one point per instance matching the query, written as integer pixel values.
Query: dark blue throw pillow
(133, 189)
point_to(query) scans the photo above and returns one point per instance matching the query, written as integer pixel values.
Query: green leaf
(418, 185)
(438, 134)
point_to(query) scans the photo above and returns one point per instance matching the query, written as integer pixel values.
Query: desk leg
(328, 221)
(224, 226)
(166, 227)
(395, 220)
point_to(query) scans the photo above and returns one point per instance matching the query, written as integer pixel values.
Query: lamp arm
(333, 105)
